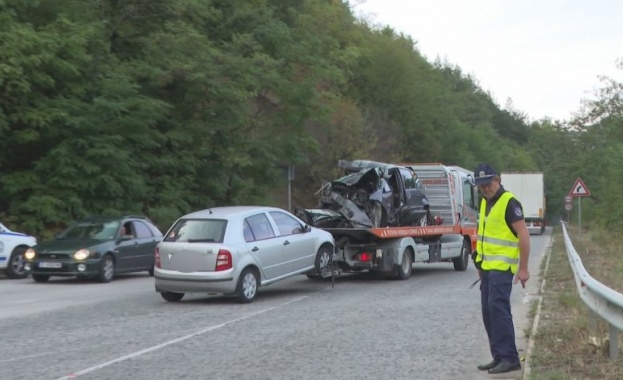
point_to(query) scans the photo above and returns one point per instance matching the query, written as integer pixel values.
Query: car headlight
(30, 254)
(82, 254)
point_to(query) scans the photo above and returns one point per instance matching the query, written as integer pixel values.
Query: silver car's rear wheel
(247, 285)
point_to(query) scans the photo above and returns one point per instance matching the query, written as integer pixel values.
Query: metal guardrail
(600, 299)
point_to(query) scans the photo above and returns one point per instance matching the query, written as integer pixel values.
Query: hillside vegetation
(166, 106)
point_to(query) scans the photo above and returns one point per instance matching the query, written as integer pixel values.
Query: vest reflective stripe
(507, 260)
(498, 241)
(498, 247)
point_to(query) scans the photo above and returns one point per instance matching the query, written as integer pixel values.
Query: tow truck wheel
(461, 262)
(406, 266)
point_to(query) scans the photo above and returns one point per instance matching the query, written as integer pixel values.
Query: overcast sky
(545, 55)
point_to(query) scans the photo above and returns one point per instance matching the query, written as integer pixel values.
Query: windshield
(198, 230)
(91, 230)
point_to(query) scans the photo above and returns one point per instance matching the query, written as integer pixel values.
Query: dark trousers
(495, 293)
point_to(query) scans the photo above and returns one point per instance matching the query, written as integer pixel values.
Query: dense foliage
(161, 107)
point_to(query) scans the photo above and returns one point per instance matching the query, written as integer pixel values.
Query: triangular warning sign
(579, 189)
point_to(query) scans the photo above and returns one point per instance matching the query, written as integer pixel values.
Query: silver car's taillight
(223, 260)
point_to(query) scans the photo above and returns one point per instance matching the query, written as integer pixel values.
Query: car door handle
(255, 249)
(286, 242)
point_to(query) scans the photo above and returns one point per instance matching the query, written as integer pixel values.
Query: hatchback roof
(229, 211)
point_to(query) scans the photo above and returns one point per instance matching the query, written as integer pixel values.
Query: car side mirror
(307, 228)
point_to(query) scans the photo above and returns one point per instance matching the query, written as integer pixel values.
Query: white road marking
(177, 340)
(29, 356)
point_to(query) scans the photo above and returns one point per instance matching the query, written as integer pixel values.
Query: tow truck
(450, 236)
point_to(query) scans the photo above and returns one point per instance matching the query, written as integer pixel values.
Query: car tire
(171, 296)
(247, 286)
(378, 215)
(107, 269)
(461, 262)
(405, 268)
(15, 268)
(324, 257)
(40, 277)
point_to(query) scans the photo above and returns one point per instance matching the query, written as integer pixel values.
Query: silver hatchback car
(235, 250)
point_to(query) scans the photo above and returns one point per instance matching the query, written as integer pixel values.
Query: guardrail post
(614, 342)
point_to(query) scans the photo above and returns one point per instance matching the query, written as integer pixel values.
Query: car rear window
(197, 231)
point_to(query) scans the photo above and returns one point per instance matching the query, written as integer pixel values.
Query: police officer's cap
(484, 174)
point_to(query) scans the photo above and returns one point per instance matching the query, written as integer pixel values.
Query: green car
(96, 247)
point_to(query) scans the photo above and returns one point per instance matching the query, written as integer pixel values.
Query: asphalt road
(428, 327)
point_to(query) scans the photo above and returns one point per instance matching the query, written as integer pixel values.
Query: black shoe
(504, 367)
(488, 366)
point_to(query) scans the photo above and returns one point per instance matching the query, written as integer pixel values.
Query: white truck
(449, 235)
(13, 245)
(529, 189)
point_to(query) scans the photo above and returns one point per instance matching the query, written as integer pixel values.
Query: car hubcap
(17, 264)
(249, 285)
(377, 214)
(108, 269)
(324, 259)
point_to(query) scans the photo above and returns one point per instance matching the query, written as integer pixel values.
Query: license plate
(50, 265)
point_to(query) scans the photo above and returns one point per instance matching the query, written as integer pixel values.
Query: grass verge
(564, 346)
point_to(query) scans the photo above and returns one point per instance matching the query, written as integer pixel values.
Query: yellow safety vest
(498, 247)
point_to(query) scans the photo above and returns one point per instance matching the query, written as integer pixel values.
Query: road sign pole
(580, 214)
(568, 218)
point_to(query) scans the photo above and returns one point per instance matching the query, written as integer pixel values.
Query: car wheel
(378, 216)
(172, 297)
(107, 269)
(40, 277)
(16, 269)
(246, 289)
(324, 256)
(406, 266)
(461, 262)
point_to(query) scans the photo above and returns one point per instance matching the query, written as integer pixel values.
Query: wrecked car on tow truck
(370, 195)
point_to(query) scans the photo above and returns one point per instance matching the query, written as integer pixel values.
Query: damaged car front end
(370, 195)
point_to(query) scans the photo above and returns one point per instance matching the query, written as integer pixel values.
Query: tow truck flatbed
(396, 232)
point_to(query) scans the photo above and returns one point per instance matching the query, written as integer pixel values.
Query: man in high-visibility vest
(502, 253)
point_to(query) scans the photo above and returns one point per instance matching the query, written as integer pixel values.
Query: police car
(13, 245)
